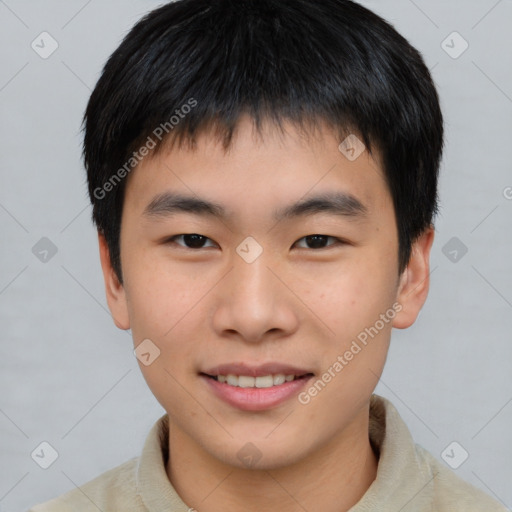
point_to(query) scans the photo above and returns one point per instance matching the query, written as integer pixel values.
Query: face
(266, 282)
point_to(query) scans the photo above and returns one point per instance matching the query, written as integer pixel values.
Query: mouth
(255, 388)
(261, 382)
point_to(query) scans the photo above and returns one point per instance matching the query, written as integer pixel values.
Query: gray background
(68, 375)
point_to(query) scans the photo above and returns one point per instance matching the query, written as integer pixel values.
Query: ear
(116, 297)
(414, 281)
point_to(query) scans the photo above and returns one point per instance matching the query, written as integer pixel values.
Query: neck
(332, 479)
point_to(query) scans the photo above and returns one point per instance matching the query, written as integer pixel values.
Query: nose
(253, 302)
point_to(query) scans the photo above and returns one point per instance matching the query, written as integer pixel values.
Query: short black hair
(193, 65)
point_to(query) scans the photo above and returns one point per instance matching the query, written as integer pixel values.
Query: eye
(319, 241)
(191, 240)
(196, 241)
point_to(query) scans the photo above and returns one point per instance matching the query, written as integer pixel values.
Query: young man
(263, 176)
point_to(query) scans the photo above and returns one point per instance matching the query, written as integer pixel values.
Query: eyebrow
(339, 204)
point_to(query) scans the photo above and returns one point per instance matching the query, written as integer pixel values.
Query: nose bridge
(250, 263)
(254, 301)
(252, 281)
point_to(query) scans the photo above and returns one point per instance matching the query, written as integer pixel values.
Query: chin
(258, 453)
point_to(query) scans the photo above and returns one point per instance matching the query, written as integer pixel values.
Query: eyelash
(338, 241)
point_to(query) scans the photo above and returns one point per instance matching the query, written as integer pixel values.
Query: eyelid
(171, 239)
(337, 241)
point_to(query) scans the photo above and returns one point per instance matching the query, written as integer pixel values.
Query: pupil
(195, 241)
(317, 241)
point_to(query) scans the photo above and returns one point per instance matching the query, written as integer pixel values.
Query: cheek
(351, 302)
(351, 295)
(166, 305)
(162, 305)
(158, 296)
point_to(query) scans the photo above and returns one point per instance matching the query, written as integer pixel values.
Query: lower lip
(256, 399)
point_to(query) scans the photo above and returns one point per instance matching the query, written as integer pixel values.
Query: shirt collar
(153, 485)
(404, 481)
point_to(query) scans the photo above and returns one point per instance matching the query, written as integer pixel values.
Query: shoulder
(113, 490)
(411, 478)
(453, 494)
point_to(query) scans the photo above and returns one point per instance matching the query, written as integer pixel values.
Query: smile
(267, 389)
(248, 381)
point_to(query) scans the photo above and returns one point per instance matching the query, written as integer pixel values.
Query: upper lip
(272, 368)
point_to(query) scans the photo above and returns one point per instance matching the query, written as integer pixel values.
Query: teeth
(232, 380)
(246, 381)
(264, 382)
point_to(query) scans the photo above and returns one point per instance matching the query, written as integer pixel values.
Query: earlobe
(414, 281)
(115, 292)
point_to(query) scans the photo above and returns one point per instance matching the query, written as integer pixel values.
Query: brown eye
(191, 241)
(318, 241)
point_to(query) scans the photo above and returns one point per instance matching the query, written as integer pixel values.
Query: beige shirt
(408, 478)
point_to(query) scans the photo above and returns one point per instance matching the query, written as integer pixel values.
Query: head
(296, 145)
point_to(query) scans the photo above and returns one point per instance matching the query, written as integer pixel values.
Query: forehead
(260, 169)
